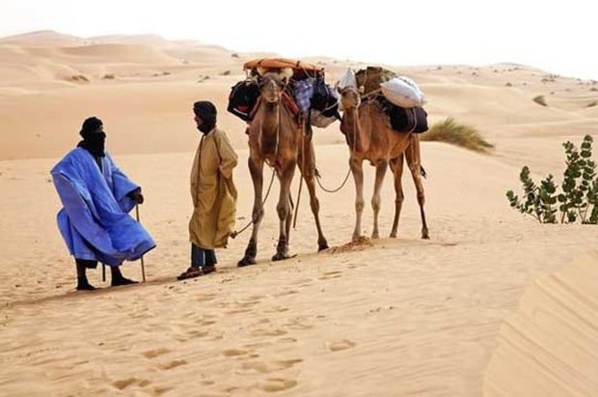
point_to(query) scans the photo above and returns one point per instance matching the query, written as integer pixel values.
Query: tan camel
(370, 137)
(276, 137)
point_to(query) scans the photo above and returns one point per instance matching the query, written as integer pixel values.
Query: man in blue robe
(96, 198)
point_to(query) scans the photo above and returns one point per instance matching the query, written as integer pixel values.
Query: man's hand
(136, 196)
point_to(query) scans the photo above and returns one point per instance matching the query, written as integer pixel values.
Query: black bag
(324, 100)
(408, 120)
(242, 99)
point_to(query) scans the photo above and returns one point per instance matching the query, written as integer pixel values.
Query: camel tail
(423, 172)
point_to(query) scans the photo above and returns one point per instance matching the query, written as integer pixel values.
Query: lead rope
(355, 115)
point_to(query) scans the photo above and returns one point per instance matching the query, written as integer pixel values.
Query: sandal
(191, 272)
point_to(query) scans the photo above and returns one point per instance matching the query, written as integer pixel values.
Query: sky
(558, 37)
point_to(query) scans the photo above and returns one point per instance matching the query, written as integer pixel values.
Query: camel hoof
(393, 235)
(323, 246)
(425, 236)
(280, 257)
(246, 261)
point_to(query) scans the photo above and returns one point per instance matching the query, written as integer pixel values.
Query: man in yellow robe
(213, 193)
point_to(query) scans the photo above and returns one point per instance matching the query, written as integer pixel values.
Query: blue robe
(94, 220)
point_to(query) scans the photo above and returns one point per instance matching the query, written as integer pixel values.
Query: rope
(338, 188)
(236, 233)
(352, 147)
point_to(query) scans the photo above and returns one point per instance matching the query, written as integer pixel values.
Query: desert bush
(108, 76)
(463, 135)
(79, 78)
(592, 104)
(540, 100)
(226, 73)
(578, 199)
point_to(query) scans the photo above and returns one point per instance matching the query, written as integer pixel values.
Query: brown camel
(277, 137)
(370, 137)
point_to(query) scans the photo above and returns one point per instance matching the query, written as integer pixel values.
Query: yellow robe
(213, 192)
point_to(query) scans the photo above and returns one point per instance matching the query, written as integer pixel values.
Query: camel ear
(338, 88)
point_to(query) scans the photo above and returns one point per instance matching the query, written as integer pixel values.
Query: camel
(277, 137)
(370, 136)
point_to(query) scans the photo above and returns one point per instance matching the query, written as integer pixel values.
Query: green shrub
(578, 199)
(463, 135)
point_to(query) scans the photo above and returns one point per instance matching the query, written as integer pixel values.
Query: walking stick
(298, 199)
(142, 264)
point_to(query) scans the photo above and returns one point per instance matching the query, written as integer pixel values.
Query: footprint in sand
(287, 340)
(185, 332)
(267, 367)
(234, 352)
(158, 391)
(204, 323)
(172, 364)
(155, 353)
(299, 324)
(122, 384)
(268, 332)
(246, 305)
(237, 311)
(276, 309)
(329, 275)
(205, 297)
(304, 282)
(258, 345)
(272, 385)
(287, 292)
(336, 346)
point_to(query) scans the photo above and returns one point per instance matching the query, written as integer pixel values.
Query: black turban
(206, 111)
(90, 125)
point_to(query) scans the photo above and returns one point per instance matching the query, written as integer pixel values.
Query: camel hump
(371, 77)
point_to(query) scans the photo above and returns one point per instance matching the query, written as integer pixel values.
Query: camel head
(271, 87)
(349, 97)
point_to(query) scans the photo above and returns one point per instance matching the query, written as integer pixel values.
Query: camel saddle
(299, 70)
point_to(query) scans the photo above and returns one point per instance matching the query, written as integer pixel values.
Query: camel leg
(413, 157)
(308, 174)
(256, 168)
(357, 171)
(396, 166)
(284, 212)
(381, 168)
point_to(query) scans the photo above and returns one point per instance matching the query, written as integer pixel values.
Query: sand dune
(476, 310)
(550, 344)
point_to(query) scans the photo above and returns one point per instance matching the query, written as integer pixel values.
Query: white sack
(348, 79)
(401, 93)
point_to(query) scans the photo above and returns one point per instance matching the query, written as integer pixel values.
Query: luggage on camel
(315, 99)
(400, 96)
(242, 99)
(325, 100)
(414, 119)
(403, 92)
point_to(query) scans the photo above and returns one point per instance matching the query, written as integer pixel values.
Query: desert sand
(493, 304)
